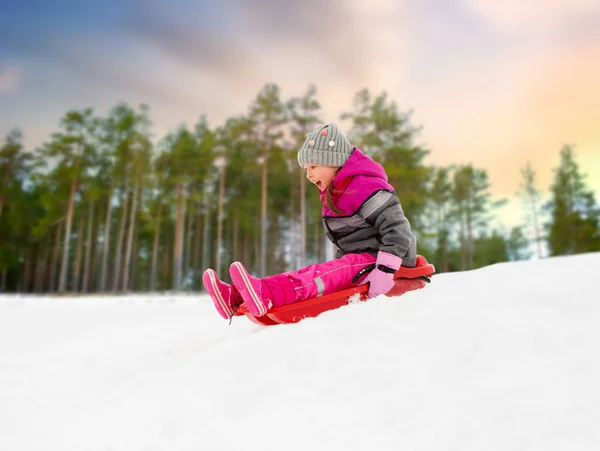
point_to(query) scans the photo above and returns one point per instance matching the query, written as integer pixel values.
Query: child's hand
(381, 279)
(380, 282)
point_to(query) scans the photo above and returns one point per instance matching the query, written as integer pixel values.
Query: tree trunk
(55, 256)
(96, 263)
(197, 242)
(536, 230)
(279, 249)
(130, 235)
(106, 250)
(263, 220)
(134, 262)
(65, 258)
(5, 184)
(302, 261)
(120, 239)
(272, 246)
(206, 233)
(232, 236)
(77, 263)
(236, 238)
(463, 258)
(187, 249)
(88, 249)
(178, 246)
(246, 249)
(442, 238)
(3, 281)
(220, 222)
(470, 238)
(40, 269)
(1, 203)
(257, 254)
(294, 225)
(165, 263)
(157, 225)
(26, 270)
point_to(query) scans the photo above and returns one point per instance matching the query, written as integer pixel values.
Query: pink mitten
(381, 279)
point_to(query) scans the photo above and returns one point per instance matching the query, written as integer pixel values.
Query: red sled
(406, 279)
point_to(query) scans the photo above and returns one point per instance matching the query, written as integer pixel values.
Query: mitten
(381, 279)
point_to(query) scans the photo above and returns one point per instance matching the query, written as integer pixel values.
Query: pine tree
(74, 150)
(304, 116)
(14, 165)
(386, 134)
(574, 224)
(517, 245)
(267, 113)
(440, 196)
(16, 211)
(473, 205)
(532, 197)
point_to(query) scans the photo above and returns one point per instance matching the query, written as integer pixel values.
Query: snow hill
(506, 357)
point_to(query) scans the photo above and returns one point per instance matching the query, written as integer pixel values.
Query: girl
(362, 217)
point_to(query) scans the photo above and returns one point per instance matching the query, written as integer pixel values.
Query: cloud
(220, 56)
(562, 103)
(517, 108)
(214, 57)
(9, 78)
(266, 39)
(509, 15)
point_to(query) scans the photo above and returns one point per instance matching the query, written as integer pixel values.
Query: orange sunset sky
(496, 84)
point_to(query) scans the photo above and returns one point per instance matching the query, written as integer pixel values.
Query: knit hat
(326, 146)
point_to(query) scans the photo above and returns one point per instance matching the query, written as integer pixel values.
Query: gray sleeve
(387, 217)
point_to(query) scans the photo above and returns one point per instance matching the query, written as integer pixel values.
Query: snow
(501, 358)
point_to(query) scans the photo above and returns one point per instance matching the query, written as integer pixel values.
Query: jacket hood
(361, 164)
(357, 180)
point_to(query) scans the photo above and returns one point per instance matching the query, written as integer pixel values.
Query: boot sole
(210, 283)
(240, 278)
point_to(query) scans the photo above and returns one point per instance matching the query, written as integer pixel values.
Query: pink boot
(225, 297)
(255, 293)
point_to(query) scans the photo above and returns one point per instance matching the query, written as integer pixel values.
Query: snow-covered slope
(506, 357)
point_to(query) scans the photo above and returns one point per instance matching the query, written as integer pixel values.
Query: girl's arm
(394, 228)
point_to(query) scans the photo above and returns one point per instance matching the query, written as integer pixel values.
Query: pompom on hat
(326, 146)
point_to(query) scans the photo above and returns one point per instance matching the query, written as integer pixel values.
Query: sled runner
(406, 279)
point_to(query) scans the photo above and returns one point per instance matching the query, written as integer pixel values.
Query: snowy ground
(502, 358)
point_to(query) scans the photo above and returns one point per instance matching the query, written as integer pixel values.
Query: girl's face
(320, 175)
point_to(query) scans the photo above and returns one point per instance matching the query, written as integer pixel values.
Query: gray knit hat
(326, 146)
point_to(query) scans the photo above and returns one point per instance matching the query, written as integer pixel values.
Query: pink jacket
(372, 218)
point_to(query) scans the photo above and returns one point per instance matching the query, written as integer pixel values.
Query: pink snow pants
(318, 279)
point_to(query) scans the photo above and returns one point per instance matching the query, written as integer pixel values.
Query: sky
(470, 362)
(495, 84)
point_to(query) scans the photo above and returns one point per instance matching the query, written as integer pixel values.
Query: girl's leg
(321, 278)
(225, 297)
(311, 281)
